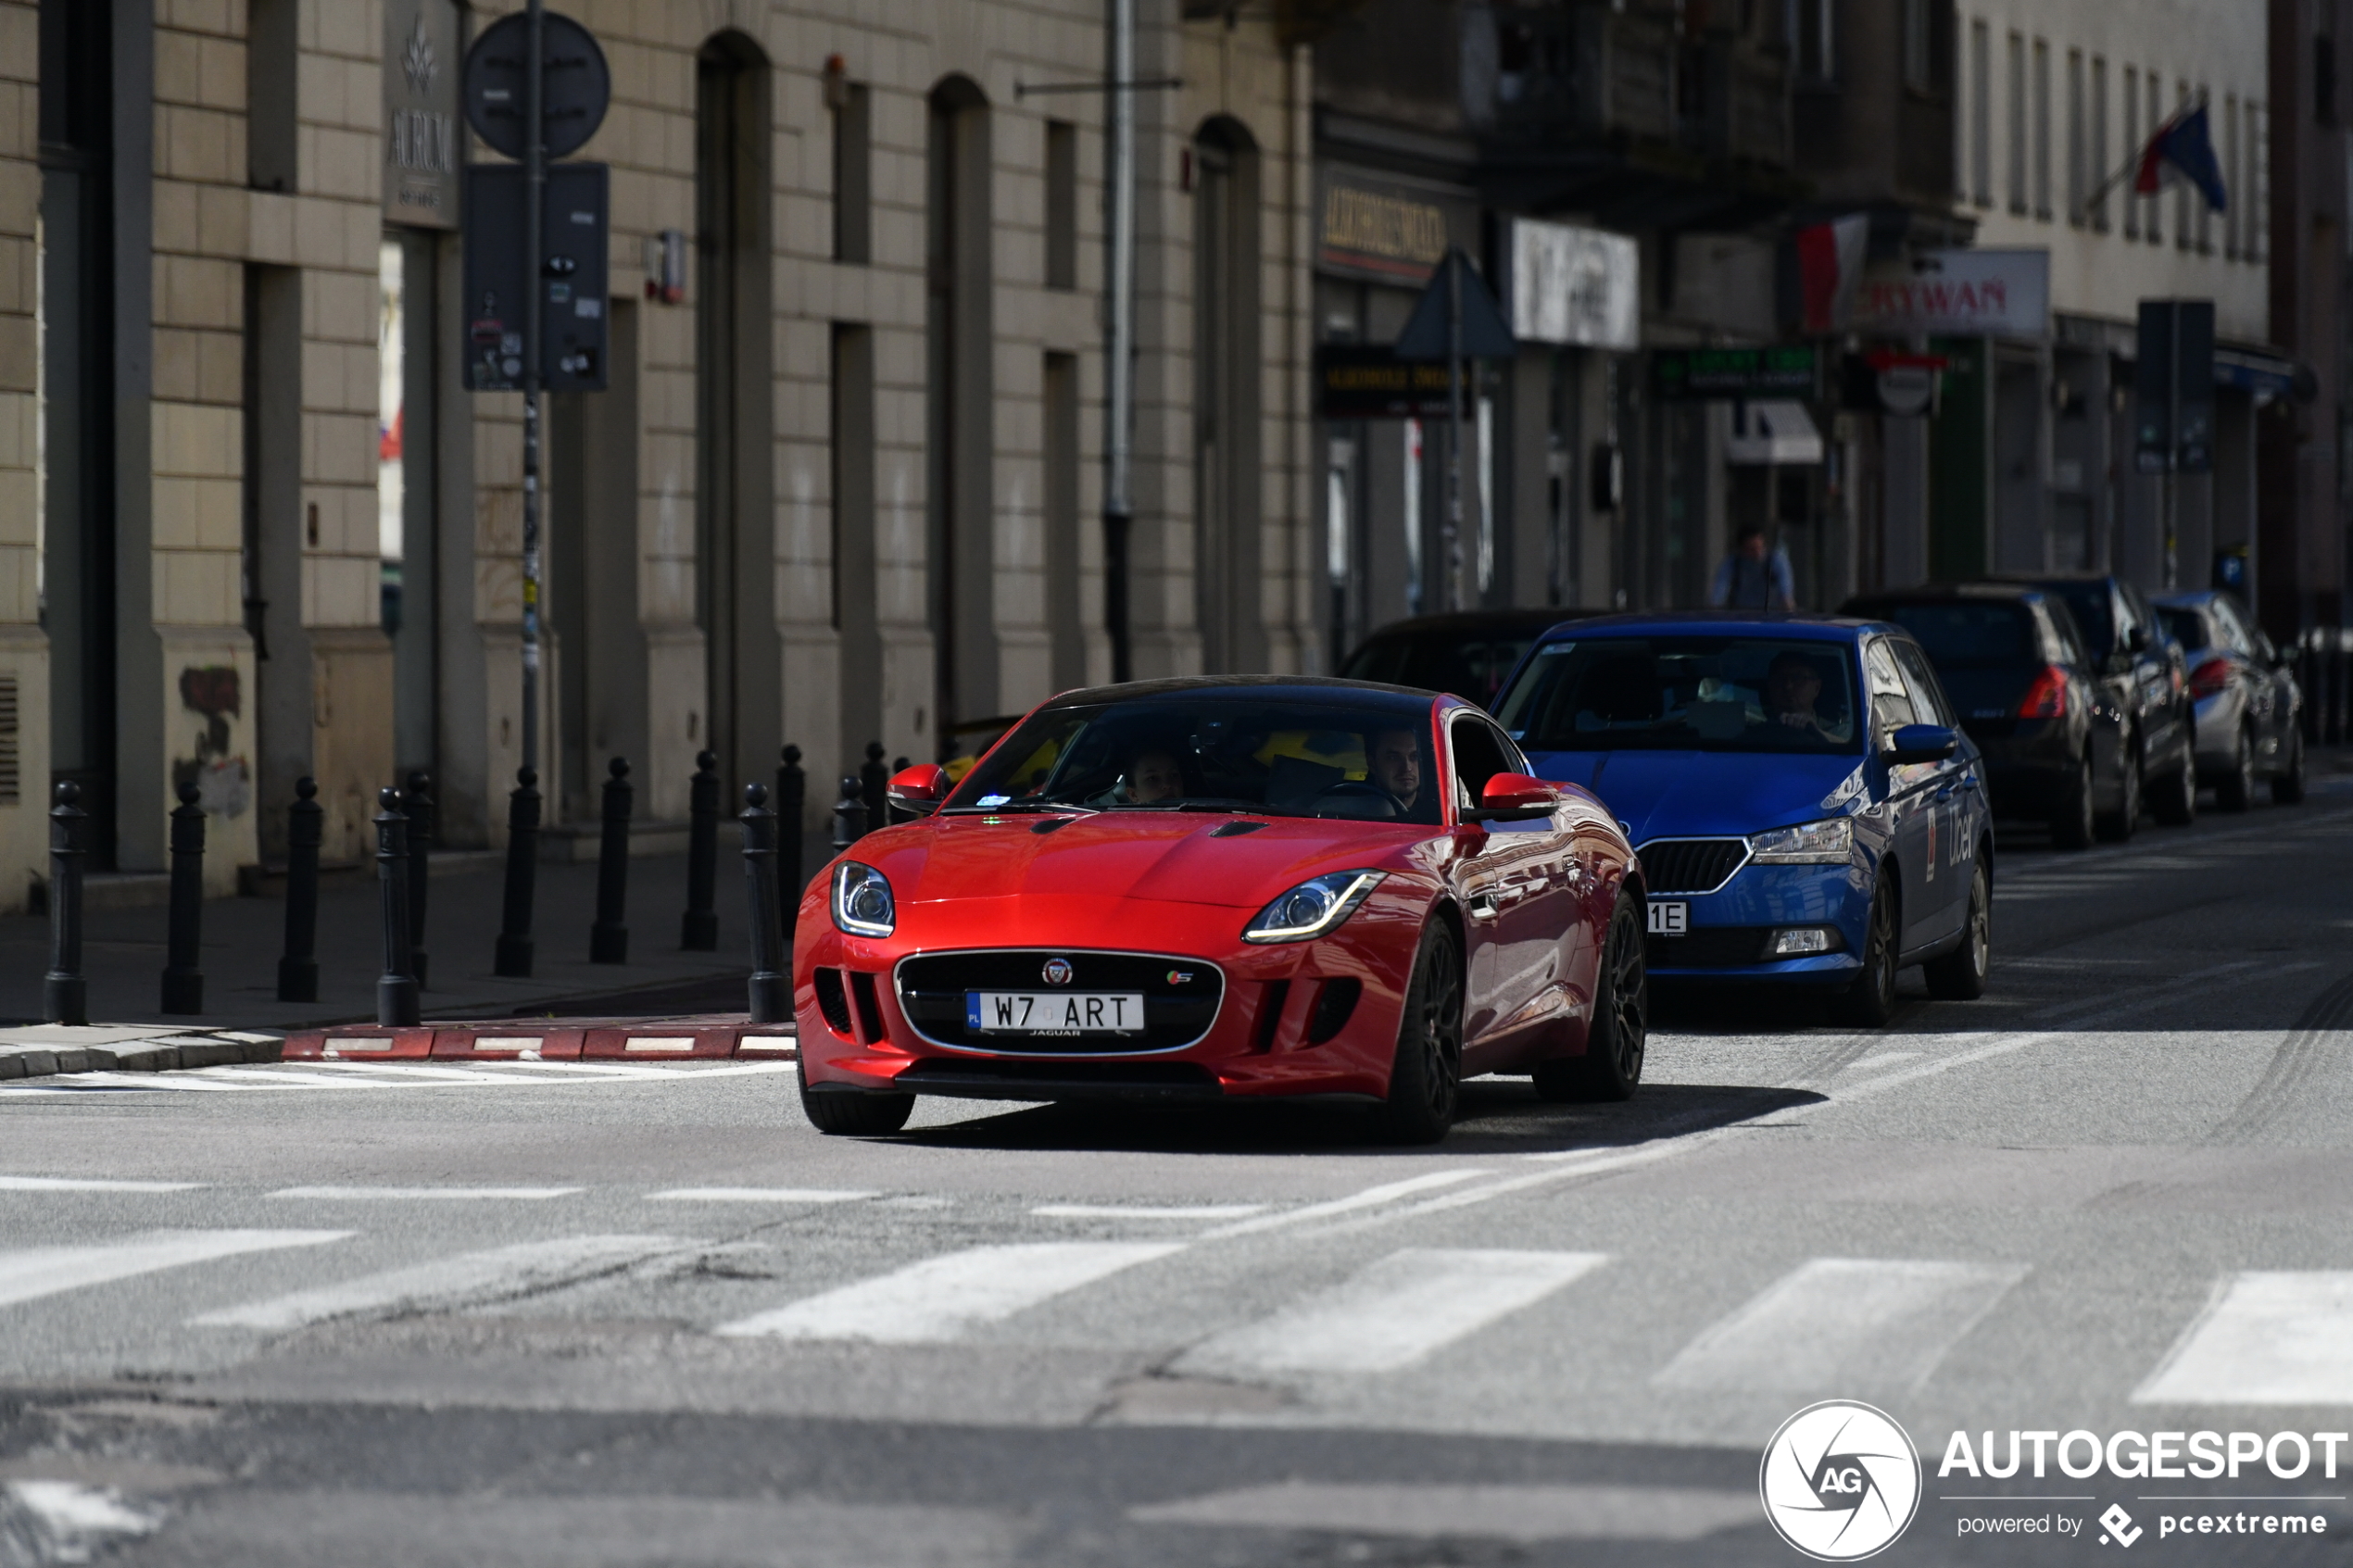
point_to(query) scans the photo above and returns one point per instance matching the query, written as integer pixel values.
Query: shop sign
(423, 137)
(1369, 382)
(1575, 285)
(1959, 293)
(1691, 375)
(1386, 231)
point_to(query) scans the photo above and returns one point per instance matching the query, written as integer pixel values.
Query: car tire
(856, 1115)
(1959, 976)
(2117, 826)
(2234, 790)
(2071, 818)
(2287, 785)
(2175, 801)
(1424, 1081)
(1619, 1034)
(1870, 1001)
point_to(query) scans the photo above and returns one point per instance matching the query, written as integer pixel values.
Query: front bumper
(1730, 927)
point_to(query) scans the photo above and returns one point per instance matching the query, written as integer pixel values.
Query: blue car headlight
(1313, 909)
(862, 905)
(1809, 844)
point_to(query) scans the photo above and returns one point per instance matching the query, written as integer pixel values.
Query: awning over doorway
(1773, 432)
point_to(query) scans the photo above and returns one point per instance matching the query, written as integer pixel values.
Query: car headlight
(1313, 909)
(862, 905)
(1809, 844)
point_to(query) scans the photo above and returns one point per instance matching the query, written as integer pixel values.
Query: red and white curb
(702, 1037)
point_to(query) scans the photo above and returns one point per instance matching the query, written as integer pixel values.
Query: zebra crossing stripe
(2264, 1338)
(447, 1283)
(945, 1297)
(1838, 1324)
(1391, 1314)
(29, 1273)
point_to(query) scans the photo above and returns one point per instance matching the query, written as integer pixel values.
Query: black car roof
(1517, 619)
(1946, 593)
(1252, 688)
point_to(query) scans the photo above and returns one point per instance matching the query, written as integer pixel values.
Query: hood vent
(1235, 830)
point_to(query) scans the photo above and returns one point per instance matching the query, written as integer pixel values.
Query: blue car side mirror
(1921, 743)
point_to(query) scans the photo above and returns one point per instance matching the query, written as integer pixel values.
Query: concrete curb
(45, 1050)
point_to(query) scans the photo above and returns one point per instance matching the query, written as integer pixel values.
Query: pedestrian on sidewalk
(1752, 577)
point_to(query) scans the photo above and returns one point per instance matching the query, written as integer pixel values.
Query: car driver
(1395, 762)
(1152, 777)
(1792, 685)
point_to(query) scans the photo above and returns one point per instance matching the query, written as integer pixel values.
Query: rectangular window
(1817, 55)
(2101, 168)
(1981, 112)
(2041, 131)
(2153, 207)
(2076, 186)
(2015, 122)
(2132, 149)
(2184, 193)
(853, 173)
(1918, 54)
(1062, 205)
(2258, 182)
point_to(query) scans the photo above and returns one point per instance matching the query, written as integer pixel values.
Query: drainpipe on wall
(1119, 366)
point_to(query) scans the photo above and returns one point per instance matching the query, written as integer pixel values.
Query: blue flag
(2184, 142)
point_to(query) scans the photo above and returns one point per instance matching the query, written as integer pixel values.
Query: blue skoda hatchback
(1805, 804)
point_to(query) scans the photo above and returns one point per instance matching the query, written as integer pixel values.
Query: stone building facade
(846, 482)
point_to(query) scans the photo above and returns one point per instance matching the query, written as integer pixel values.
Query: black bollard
(182, 979)
(523, 865)
(306, 826)
(420, 825)
(771, 988)
(874, 781)
(608, 937)
(396, 989)
(792, 796)
(699, 931)
(850, 815)
(65, 993)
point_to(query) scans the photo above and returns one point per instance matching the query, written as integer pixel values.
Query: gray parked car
(2145, 689)
(2249, 708)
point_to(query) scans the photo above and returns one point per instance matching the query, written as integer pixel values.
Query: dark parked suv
(2016, 668)
(2249, 708)
(2144, 681)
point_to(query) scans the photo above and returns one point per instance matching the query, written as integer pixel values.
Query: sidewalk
(123, 952)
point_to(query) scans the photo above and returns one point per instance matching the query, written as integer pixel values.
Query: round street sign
(577, 84)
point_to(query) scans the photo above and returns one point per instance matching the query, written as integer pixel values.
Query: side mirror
(919, 790)
(1514, 798)
(1921, 743)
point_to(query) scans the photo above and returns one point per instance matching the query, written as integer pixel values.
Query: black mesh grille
(1180, 998)
(1689, 865)
(1062, 1079)
(833, 1001)
(1333, 1004)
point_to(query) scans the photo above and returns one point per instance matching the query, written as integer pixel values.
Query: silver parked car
(2249, 709)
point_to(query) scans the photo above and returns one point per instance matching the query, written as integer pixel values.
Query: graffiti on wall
(224, 781)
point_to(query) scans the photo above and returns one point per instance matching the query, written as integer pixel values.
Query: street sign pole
(536, 187)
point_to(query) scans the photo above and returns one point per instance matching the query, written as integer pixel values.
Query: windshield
(1969, 637)
(1469, 664)
(2186, 626)
(1215, 751)
(1684, 694)
(2089, 601)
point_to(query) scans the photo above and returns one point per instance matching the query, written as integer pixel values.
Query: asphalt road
(543, 1314)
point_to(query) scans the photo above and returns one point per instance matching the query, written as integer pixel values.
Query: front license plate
(1670, 920)
(1054, 1013)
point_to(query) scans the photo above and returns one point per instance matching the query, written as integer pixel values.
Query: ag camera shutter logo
(1840, 1481)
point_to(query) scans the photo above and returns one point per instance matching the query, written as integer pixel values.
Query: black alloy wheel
(2117, 826)
(2071, 818)
(1425, 1084)
(1869, 1002)
(2287, 784)
(2234, 790)
(2175, 798)
(856, 1115)
(1959, 976)
(1619, 1034)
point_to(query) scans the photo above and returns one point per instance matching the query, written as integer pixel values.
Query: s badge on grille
(1057, 972)
(1181, 977)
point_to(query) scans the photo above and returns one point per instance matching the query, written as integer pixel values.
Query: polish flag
(1829, 266)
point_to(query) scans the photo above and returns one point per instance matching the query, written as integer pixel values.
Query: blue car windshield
(1685, 693)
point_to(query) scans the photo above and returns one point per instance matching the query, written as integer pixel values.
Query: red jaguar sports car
(1225, 888)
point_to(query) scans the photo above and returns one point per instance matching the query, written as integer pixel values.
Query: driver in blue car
(1396, 765)
(1792, 685)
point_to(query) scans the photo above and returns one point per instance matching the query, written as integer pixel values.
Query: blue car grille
(1690, 865)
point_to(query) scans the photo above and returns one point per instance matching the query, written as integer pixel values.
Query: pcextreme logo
(1840, 1481)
